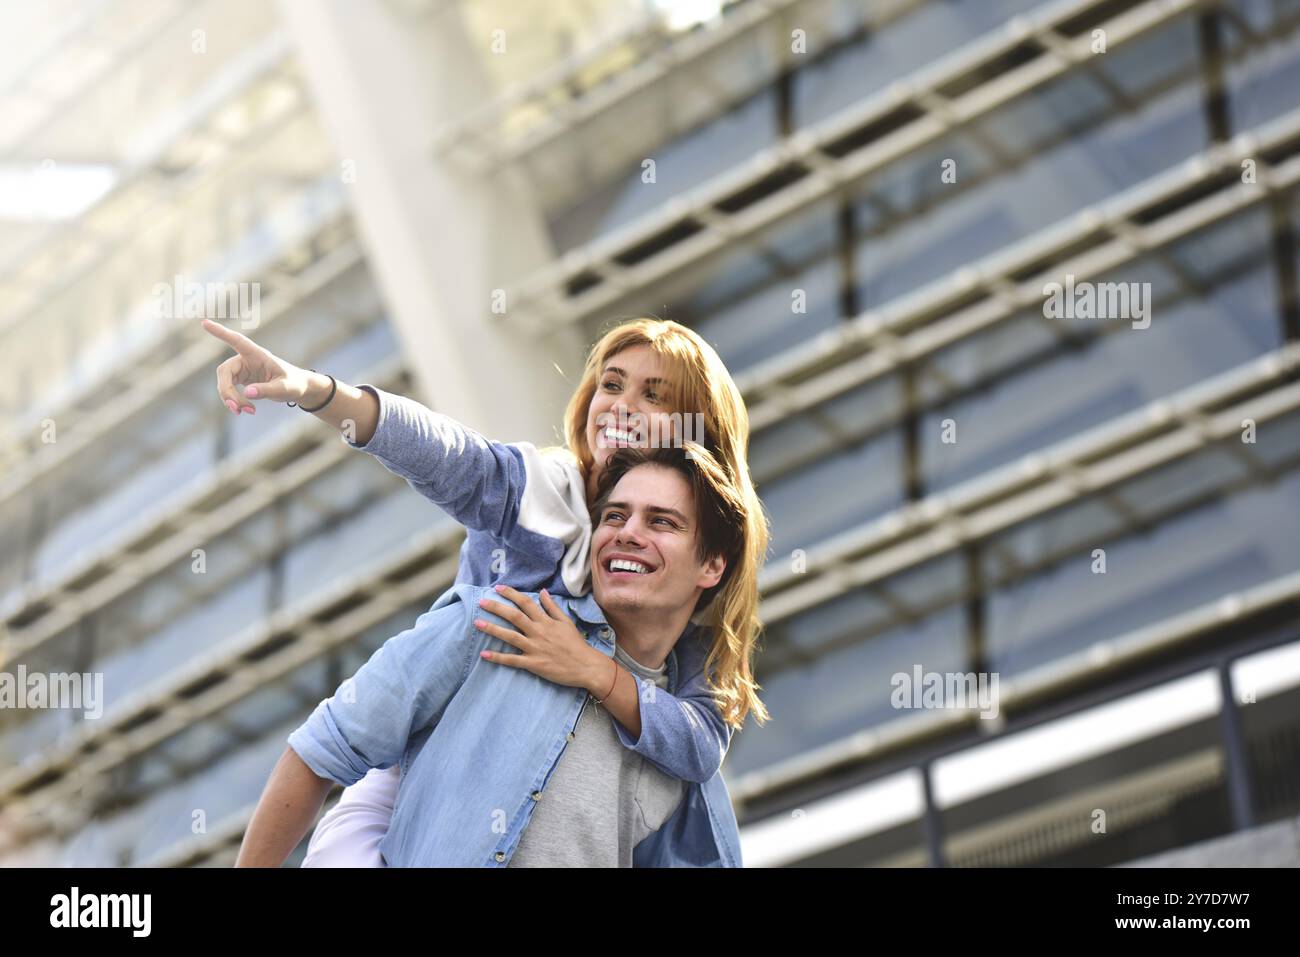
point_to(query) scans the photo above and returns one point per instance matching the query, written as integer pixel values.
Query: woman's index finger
(236, 340)
(552, 607)
(526, 604)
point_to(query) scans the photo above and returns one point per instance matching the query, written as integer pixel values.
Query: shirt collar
(586, 609)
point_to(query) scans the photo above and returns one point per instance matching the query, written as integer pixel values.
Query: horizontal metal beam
(1054, 680)
(70, 28)
(160, 536)
(227, 673)
(1160, 432)
(635, 59)
(168, 198)
(937, 315)
(78, 429)
(144, 32)
(822, 160)
(225, 836)
(266, 60)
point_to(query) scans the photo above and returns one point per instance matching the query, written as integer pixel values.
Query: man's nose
(630, 532)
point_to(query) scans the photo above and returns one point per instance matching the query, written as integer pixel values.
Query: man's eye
(611, 516)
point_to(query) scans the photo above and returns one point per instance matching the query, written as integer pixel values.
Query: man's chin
(612, 598)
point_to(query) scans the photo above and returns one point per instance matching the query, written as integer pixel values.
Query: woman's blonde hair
(700, 383)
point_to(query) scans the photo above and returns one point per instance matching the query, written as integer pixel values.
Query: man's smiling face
(644, 546)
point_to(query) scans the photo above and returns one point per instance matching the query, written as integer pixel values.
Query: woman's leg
(350, 832)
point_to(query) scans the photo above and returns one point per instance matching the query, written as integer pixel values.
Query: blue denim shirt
(477, 741)
(528, 527)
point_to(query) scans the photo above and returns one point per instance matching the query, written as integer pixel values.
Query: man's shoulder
(464, 596)
(460, 602)
(450, 620)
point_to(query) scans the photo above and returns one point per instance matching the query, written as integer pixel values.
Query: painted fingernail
(230, 404)
(250, 410)
(478, 622)
(485, 654)
(251, 392)
(499, 587)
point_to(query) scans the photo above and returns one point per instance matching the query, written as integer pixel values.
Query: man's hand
(550, 645)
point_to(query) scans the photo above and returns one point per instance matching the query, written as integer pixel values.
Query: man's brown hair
(729, 608)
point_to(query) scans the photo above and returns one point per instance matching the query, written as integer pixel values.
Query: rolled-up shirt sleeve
(404, 687)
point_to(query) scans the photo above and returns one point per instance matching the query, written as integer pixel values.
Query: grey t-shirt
(602, 798)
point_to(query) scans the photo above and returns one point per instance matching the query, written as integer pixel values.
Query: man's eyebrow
(652, 509)
(653, 380)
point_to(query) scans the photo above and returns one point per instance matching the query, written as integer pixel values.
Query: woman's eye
(611, 385)
(652, 396)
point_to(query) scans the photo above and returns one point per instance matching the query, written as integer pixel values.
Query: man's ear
(712, 570)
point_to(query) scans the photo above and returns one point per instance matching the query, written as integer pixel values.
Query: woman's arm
(353, 411)
(264, 375)
(478, 482)
(683, 735)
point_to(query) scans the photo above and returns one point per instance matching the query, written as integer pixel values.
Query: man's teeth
(623, 565)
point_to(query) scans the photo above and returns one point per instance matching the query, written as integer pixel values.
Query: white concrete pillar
(384, 77)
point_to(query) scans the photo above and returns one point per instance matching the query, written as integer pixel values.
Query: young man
(501, 767)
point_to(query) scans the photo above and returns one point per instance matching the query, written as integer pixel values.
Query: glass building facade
(1099, 510)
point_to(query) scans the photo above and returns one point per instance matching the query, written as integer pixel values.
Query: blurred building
(863, 205)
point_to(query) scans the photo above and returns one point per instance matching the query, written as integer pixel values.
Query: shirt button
(570, 735)
(604, 632)
(537, 795)
(500, 856)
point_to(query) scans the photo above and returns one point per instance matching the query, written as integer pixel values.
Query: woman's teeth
(615, 435)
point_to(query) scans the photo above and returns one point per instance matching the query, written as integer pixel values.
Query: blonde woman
(529, 529)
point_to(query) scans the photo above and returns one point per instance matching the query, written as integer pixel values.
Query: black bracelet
(333, 387)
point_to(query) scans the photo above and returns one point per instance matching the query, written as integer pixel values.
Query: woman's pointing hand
(262, 374)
